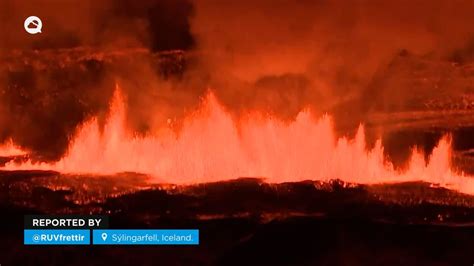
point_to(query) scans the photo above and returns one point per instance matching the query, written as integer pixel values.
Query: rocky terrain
(246, 221)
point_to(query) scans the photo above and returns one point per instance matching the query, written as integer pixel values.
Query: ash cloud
(154, 24)
(336, 46)
(279, 56)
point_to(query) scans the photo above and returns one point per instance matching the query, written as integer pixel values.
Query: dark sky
(156, 24)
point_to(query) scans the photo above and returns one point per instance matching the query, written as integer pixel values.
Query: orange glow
(210, 147)
(9, 149)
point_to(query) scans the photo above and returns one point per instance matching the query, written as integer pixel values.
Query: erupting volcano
(286, 132)
(212, 146)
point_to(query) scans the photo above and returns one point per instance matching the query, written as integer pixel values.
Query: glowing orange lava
(9, 149)
(210, 147)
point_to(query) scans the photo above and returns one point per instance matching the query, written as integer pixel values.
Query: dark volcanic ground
(245, 221)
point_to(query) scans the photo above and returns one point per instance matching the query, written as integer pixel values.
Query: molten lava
(211, 147)
(9, 149)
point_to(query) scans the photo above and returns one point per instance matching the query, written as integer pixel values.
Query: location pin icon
(104, 236)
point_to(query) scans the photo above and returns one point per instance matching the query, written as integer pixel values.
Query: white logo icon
(104, 236)
(33, 25)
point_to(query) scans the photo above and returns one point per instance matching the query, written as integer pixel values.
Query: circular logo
(33, 25)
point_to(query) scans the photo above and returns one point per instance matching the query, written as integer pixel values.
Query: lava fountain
(211, 147)
(9, 149)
